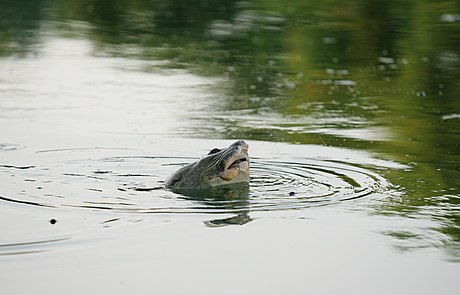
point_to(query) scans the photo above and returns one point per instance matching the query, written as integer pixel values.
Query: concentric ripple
(134, 183)
(292, 185)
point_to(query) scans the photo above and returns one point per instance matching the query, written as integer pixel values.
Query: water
(351, 111)
(132, 181)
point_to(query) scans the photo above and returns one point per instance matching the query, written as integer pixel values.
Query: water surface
(351, 111)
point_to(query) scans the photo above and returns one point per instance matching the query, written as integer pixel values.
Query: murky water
(351, 111)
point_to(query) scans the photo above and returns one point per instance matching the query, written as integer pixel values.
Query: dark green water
(352, 105)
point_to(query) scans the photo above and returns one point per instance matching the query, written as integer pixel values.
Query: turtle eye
(214, 150)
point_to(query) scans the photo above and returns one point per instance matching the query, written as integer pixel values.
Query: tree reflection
(19, 26)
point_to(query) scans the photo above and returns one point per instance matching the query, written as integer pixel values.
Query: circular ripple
(292, 185)
(135, 184)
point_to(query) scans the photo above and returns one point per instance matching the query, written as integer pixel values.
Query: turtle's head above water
(219, 167)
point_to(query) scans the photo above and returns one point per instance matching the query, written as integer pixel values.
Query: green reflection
(19, 26)
(381, 76)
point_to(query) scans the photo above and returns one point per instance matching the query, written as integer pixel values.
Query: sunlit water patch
(132, 181)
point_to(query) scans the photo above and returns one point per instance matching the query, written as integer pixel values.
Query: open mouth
(236, 163)
(236, 167)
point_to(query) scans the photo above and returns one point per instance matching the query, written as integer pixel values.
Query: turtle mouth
(238, 160)
(236, 163)
(236, 169)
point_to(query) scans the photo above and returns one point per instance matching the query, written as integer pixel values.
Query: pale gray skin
(219, 167)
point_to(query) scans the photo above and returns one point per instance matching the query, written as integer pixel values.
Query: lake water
(352, 115)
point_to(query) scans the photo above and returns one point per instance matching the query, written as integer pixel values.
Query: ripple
(293, 185)
(134, 184)
(29, 247)
(9, 147)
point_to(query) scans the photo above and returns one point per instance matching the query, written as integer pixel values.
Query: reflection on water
(233, 199)
(357, 102)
